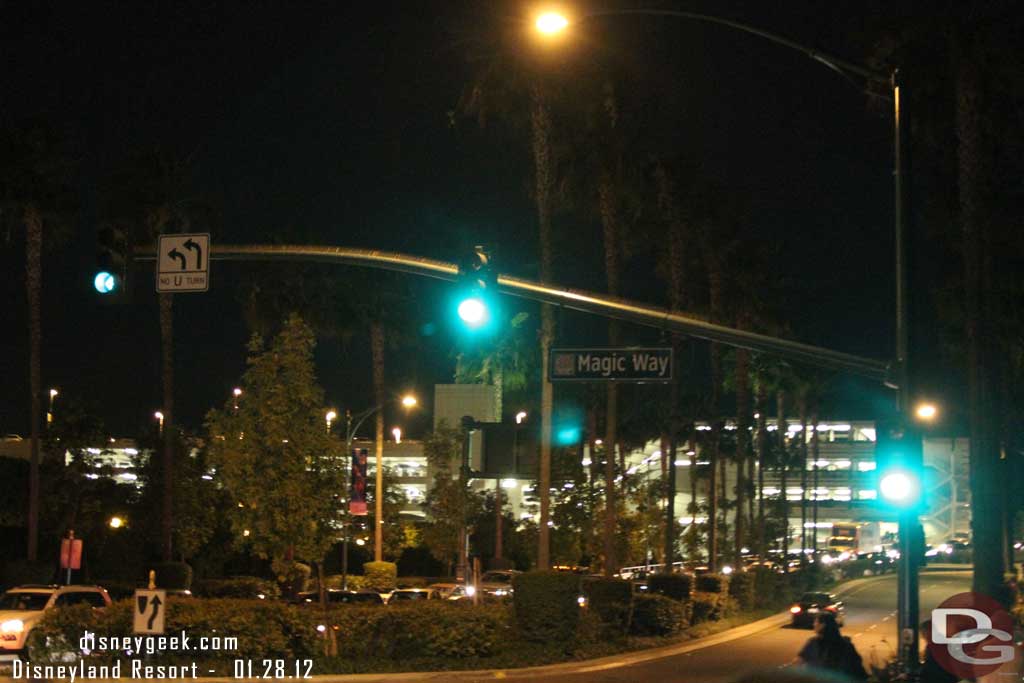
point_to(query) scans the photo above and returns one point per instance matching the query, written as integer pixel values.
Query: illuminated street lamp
(926, 411)
(551, 23)
(160, 418)
(115, 522)
(409, 401)
(520, 416)
(236, 392)
(330, 416)
(49, 412)
(397, 433)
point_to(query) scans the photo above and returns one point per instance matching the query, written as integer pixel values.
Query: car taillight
(830, 608)
(796, 609)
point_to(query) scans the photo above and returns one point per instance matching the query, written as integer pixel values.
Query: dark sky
(329, 123)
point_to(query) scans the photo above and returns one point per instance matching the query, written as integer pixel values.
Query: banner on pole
(357, 495)
(71, 553)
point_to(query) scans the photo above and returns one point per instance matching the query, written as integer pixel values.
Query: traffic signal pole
(579, 300)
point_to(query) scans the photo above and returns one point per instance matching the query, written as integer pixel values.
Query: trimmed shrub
(658, 615)
(379, 576)
(546, 605)
(676, 586)
(173, 575)
(609, 599)
(741, 588)
(236, 587)
(711, 583)
(707, 607)
(357, 636)
(768, 591)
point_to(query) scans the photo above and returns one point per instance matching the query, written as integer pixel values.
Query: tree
(274, 456)
(450, 505)
(34, 195)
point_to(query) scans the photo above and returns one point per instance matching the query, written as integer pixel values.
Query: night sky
(329, 123)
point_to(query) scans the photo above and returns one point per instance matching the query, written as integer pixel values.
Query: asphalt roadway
(870, 623)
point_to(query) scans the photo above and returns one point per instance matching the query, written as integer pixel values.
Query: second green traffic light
(477, 291)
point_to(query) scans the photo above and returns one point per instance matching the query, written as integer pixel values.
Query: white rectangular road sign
(148, 613)
(183, 263)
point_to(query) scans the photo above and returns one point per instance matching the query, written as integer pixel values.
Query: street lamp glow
(237, 392)
(473, 311)
(330, 416)
(116, 522)
(927, 411)
(520, 416)
(550, 23)
(397, 433)
(896, 486)
(409, 401)
(53, 393)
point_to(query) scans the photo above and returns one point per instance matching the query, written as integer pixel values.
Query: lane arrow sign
(175, 254)
(156, 602)
(193, 246)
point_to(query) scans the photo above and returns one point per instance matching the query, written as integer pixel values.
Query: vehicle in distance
(497, 583)
(413, 594)
(23, 607)
(810, 605)
(452, 591)
(336, 596)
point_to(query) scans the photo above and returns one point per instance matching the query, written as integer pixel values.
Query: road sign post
(148, 614)
(183, 263)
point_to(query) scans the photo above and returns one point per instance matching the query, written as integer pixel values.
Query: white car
(23, 607)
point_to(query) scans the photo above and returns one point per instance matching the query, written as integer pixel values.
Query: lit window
(867, 494)
(865, 466)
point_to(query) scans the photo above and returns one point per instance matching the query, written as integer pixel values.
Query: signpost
(183, 263)
(148, 615)
(70, 554)
(611, 364)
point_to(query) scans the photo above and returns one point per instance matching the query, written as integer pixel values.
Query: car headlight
(470, 591)
(12, 626)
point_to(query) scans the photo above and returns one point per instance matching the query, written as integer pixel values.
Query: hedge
(354, 637)
(708, 607)
(236, 587)
(768, 588)
(658, 615)
(173, 575)
(546, 605)
(677, 586)
(741, 588)
(379, 576)
(712, 583)
(610, 600)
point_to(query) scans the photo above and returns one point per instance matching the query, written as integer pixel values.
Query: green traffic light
(473, 311)
(896, 486)
(104, 282)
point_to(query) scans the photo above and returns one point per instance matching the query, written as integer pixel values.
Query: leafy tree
(450, 504)
(274, 456)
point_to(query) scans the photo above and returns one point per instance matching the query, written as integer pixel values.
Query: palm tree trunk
(974, 182)
(780, 402)
(33, 285)
(497, 523)
(609, 479)
(761, 430)
(540, 120)
(742, 381)
(814, 455)
(609, 224)
(377, 351)
(803, 475)
(167, 446)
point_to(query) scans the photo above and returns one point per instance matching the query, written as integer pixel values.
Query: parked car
(811, 604)
(413, 594)
(336, 596)
(23, 607)
(497, 583)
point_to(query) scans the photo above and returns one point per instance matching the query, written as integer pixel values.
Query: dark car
(335, 596)
(811, 604)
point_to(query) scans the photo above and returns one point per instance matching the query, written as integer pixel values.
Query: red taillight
(795, 609)
(830, 609)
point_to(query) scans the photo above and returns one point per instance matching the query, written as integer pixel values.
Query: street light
(520, 416)
(160, 418)
(330, 416)
(397, 433)
(115, 522)
(926, 411)
(409, 401)
(49, 412)
(236, 392)
(551, 23)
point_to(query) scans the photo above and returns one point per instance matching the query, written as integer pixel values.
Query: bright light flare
(116, 522)
(409, 401)
(520, 416)
(397, 433)
(927, 411)
(896, 486)
(551, 23)
(473, 311)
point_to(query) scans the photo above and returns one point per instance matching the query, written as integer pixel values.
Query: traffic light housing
(899, 464)
(113, 260)
(476, 296)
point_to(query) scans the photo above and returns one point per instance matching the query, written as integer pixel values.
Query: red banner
(71, 553)
(357, 494)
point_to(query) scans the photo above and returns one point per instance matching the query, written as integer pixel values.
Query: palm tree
(34, 196)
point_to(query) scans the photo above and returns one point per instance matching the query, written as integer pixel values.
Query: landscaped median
(553, 618)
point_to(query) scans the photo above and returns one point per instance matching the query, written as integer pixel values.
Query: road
(870, 622)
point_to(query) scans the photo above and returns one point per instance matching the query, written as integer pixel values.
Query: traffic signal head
(898, 464)
(110, 279)
(476, 296)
